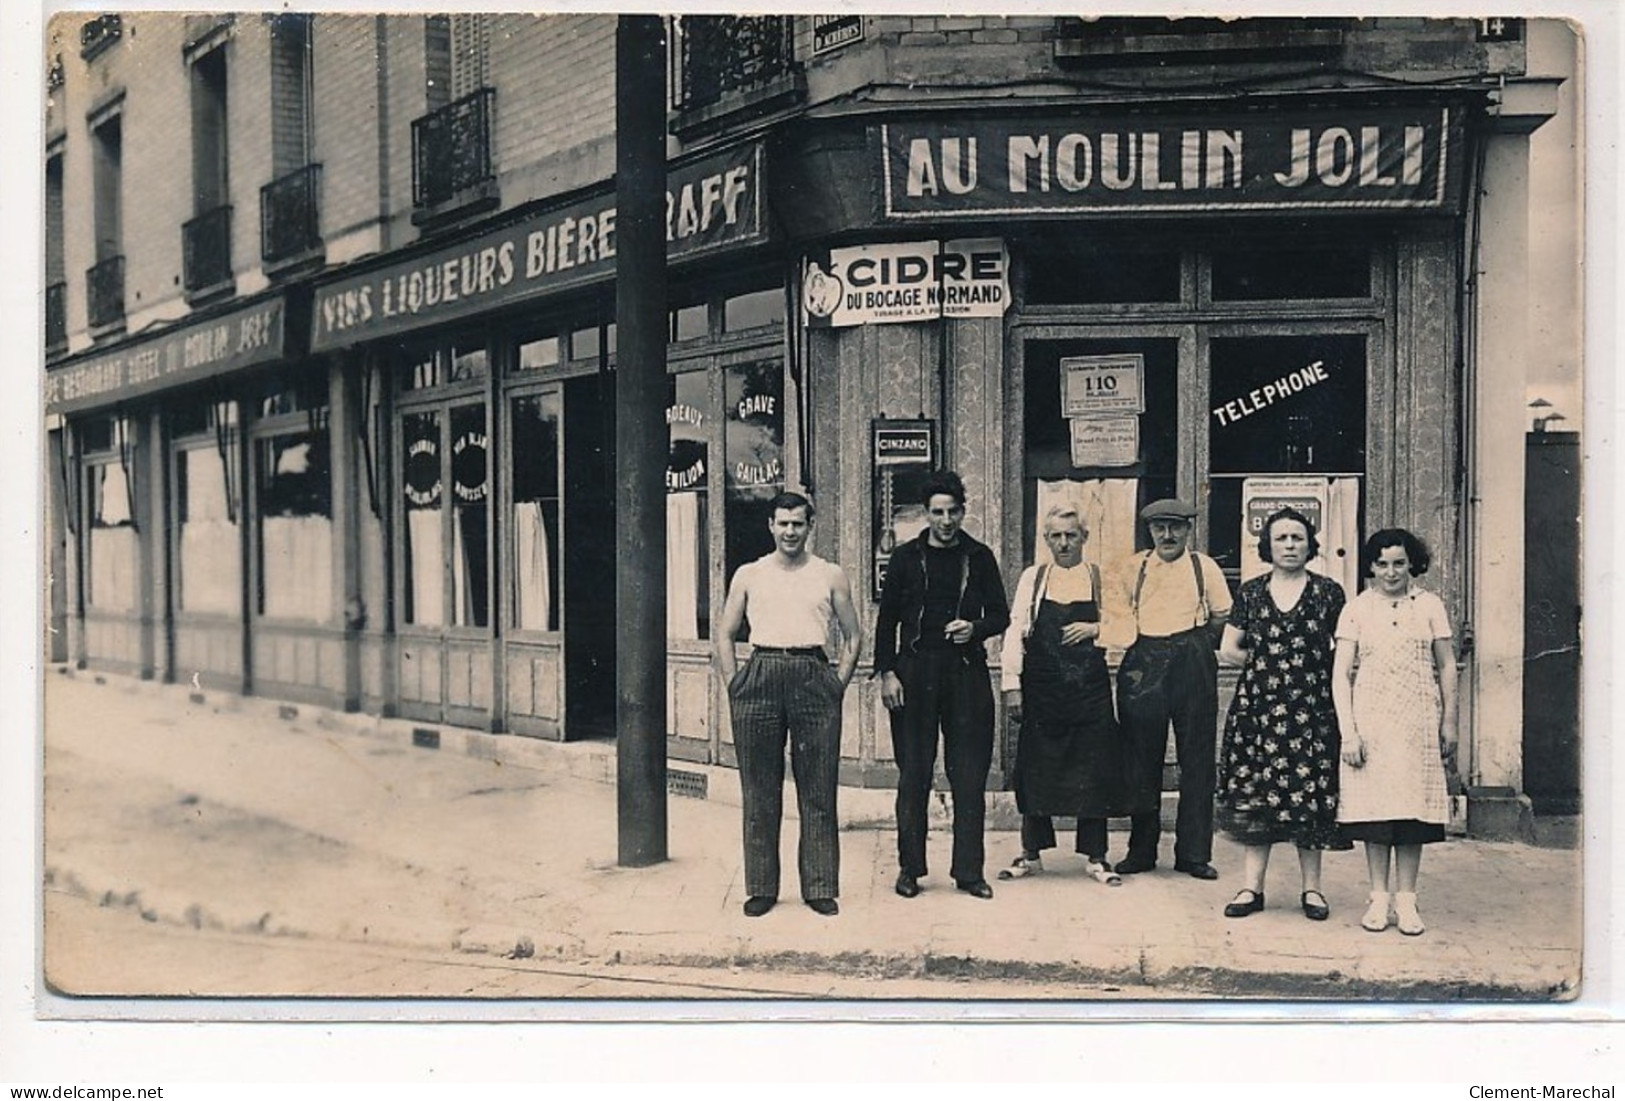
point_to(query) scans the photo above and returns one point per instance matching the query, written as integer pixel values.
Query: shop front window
(1273, 274)
(536, 505)
(688, 566)
(111, 573)
(1097, 447)
(1101, 274)
(210, 538)
(753, 444)
(424, 581)
(294, 508)
(1287, 425)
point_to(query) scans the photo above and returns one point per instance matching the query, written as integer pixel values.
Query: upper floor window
(290, 219)
(453, 163)
(290, 93)
(105, 279)
(207, 237)
(56, 286)
(98, 35)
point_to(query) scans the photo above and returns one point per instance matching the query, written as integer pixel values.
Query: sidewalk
(248, 815)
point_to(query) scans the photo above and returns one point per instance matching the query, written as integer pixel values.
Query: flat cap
(1169, 508)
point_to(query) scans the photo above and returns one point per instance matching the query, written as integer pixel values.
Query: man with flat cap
(1173, 603)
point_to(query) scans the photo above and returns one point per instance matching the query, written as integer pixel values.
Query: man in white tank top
(788, 687)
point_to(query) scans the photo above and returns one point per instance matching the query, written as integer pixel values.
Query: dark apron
(1067, 757)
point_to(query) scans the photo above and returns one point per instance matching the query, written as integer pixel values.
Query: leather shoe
(907, 885)
(1239, 909)
(1315, 911)
(1196, 871)
(980, 888)
(825, 907)
(1133, 865)
(757, 905)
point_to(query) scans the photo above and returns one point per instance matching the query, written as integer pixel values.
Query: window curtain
(297, 567)
(428, 566)
(210, 553)
(112, 569)
(1340, 542)
(535, 596)
(683, 560)
(112, 542)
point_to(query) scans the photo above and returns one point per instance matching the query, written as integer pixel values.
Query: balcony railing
(104, 292)
(206, 250)
(722, 55)
(290, 225)
(451, 150)
(56, 319)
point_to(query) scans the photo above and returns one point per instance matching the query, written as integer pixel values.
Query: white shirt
(1168, 602)
(789, 607)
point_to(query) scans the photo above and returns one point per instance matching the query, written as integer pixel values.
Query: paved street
(233, 847)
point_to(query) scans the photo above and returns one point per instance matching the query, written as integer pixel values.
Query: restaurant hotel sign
(711, 204)
(1350, 160)
(186, 353)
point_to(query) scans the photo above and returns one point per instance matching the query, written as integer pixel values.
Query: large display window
(444, 478)
(293, 504)
(110, 549)
(1232, 372)
(208, 509)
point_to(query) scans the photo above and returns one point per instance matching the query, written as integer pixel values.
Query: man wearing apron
(1056, 685)
(1176, 600)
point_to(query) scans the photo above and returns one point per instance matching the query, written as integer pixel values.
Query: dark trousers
(799, 695)
(1163, 680)
(1038, 834)
(942, 690)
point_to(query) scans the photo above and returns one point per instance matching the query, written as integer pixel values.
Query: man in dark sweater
(941, 599)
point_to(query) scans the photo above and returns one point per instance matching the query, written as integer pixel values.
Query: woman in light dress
(1394, 687)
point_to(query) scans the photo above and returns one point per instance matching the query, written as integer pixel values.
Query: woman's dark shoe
(907, 885)
(757, 905)
(1315, 911)
(980, 888)
(1247, 901)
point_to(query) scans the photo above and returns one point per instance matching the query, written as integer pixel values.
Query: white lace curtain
(684, 559)
(296, 567)
(211, 547)
(530, 555)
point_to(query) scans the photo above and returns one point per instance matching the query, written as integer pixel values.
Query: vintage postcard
(561, 515)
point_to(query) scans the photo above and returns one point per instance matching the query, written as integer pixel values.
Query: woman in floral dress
(1394, 683)
(1278, 771)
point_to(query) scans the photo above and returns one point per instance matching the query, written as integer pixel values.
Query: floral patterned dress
(1278, 771)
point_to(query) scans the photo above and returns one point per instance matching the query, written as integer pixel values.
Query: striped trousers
(799, 695)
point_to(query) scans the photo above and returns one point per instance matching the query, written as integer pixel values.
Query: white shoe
(1376, 915)
(1022, 867)
(1102, 873)
(1409, 921)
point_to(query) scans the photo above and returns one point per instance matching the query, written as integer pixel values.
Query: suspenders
(1203, 612)
(1041, 586)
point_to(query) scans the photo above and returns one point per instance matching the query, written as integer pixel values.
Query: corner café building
(409, 502)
